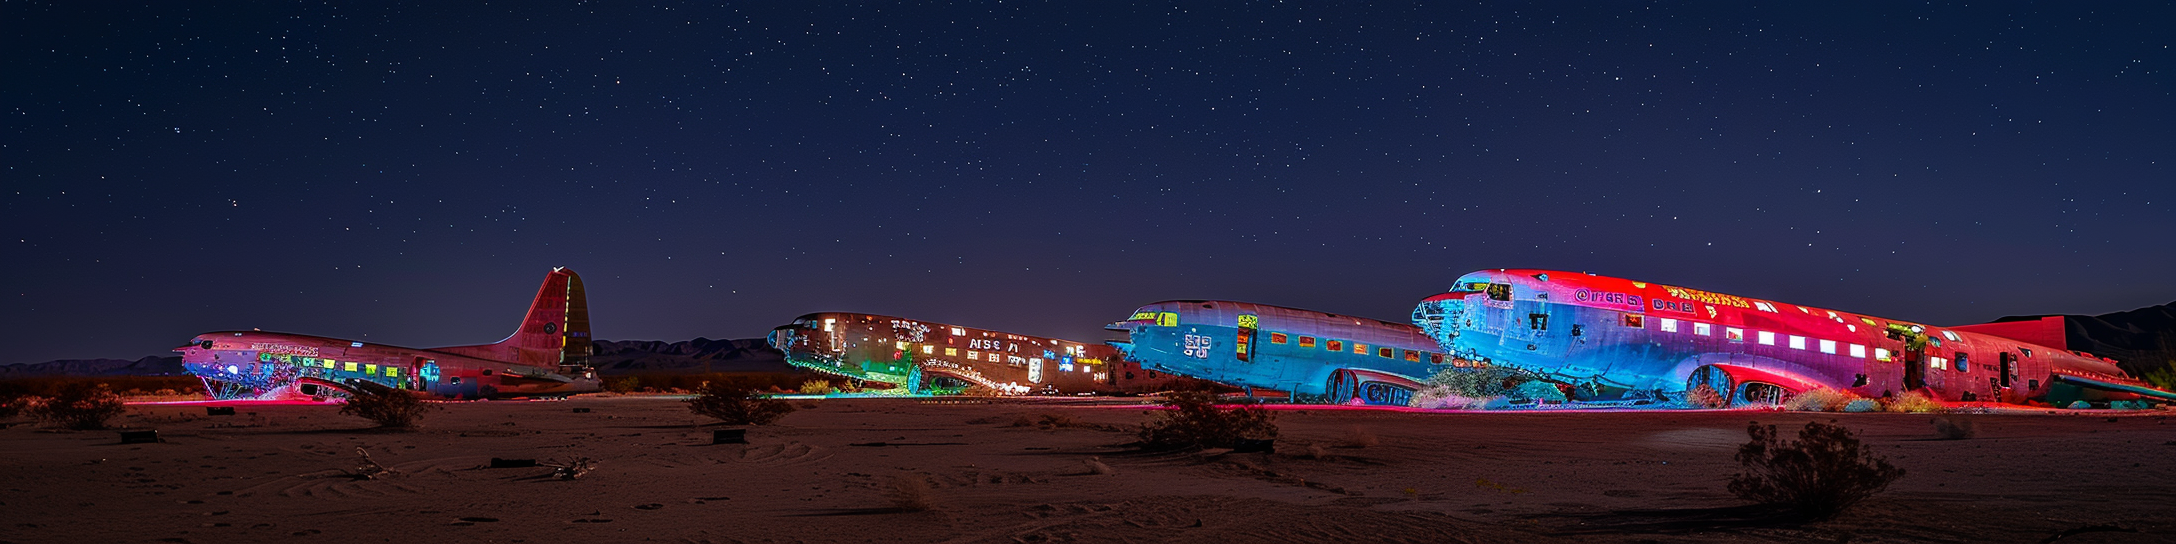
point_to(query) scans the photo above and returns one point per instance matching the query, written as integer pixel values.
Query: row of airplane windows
(1768, 338)
(999, 357)
(1338, 346)
(349, 366)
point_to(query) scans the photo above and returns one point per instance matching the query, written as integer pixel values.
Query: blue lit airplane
(1615, 338)
(1336, 358)
(547, 355)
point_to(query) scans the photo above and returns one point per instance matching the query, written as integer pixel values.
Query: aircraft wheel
(1341, 387)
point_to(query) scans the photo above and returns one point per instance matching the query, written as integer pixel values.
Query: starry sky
(407, 174)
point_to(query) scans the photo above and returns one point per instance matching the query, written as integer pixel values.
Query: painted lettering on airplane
(1197, 346)
(1679, 306)
(1707, 297)
(287, 349)
(1607, 297)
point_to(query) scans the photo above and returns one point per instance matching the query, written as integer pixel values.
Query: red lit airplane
(548, 355)
(1618, 337)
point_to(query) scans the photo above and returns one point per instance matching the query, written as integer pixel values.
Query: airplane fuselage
(1334, 357)
(1615, 337)
(254, 364)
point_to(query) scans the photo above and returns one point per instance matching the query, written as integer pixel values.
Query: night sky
(407, 174)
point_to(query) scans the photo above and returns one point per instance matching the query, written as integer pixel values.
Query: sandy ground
(273, 474)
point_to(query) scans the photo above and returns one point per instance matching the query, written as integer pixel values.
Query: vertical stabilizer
(554, 333)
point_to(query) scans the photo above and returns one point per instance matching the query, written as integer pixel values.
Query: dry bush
(910, 493)
(82, 406)
(1915, 402)
(735, 403)
(1954, 427)
(1823, 472)
(817, 387)
(1195, 420)
(623, 384)
(391, 408)
(1436, 397)
(1819, 400)
(1478, 383)
(1704, 396)
(1357, 437)
(13, 404)
(1861, 406)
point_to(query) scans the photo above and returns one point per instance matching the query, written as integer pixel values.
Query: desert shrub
(623, 384)
(1703, 396)
(390, 408)
(735, 403)
(1436, 397)
(817, 387)
(1862, 406)
(1823, 472)
(1195, 420)
(1478, 383)
(82, 406)
(1955, 427)
(12, 405)
(2164, 377)
(1819, 400)
(1915, 402)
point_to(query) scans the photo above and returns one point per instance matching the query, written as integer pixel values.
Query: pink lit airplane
(1619, 338)
(548, 355)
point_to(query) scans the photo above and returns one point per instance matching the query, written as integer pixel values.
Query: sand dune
(885, 470)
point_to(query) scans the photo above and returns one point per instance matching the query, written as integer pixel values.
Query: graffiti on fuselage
(1298, 351)
(1625, 338)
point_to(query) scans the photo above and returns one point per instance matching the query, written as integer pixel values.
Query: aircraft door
(2008, 370)
(1915, 369)
(1243, 346)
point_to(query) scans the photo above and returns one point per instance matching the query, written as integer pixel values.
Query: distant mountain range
(2142, 339)
(148, 366)
(611, 358)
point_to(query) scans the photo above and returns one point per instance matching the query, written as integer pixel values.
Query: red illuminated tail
(554, 333)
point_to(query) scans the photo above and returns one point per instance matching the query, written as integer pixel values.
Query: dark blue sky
(407, 174)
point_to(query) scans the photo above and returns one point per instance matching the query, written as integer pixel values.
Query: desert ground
(934, 470)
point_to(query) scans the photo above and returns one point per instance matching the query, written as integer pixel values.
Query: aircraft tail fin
(555, 331)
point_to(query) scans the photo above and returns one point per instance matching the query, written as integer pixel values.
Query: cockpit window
(1499, 291)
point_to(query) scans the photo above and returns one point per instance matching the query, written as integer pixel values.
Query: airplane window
(1435, 358)
(1703, 329)
(207, 344)
(1828, 347)
(487, 372)
(1858, 351)
(1307, 341)
(1636, 321)
(1335, 345)
(1359, 348)
(1277, 338)
(1964, 362)
(1383, 352)
(1413, 356)
(1669, 325)
(1499, 291)
(2028, 351)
